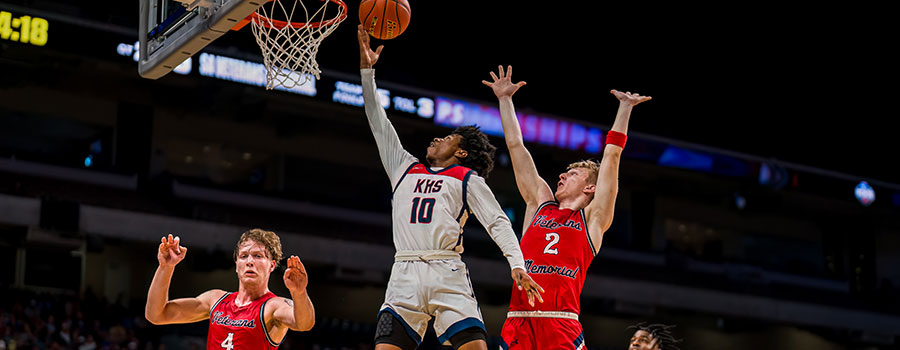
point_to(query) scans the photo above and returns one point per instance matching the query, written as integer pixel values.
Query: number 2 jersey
(558, 251)
(233, 327)
(430, 205)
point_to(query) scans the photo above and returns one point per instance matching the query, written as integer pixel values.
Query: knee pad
(389, 330)
(467, 335)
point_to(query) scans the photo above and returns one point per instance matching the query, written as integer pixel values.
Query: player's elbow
(153, 318)
(514, 143)
(305, 326)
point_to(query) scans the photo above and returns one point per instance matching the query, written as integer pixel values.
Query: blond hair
(267, 238)
(592, 166)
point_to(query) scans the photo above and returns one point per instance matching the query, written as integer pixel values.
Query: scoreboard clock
(24, 29)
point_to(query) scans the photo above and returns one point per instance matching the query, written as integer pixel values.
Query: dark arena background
(759, 201)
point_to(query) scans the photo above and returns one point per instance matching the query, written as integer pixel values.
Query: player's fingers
(530, 298)
(500, 69)
(485, 82)
(521, 84)
(378, 50)
(537, 294)
(509, 71)
(300, 266)
(494, 76)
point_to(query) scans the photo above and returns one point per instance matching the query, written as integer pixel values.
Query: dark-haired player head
(467, 146)
(652, 337)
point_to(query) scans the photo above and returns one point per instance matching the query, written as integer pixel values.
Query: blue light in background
(865, 194)
(96, 147)
(510, 213)
(88, 161)
(682, 158)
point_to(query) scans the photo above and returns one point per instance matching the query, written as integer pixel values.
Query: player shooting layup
(429, 207)
(566, 228)
(252, 317)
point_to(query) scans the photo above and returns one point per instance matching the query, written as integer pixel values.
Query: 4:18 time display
(24, 29)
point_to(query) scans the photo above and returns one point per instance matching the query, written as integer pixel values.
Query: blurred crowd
(31, 320)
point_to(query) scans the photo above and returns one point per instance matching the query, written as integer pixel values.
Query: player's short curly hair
(480, 150)
(267, 238)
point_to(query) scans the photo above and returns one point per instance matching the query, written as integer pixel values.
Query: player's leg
(517, 333)
(401, 322)
(480, 344)
(457, 317)
(391, 333)
(558, 334)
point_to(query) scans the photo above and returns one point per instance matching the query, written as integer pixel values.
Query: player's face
(253, 264)
(573, 183)
(642, 340)
(442, 148)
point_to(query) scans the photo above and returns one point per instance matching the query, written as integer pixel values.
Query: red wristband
(616, 138)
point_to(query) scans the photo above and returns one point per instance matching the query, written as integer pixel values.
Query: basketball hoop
(289, 47)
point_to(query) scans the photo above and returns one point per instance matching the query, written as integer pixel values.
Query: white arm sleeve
(393, 157)
(482, 202)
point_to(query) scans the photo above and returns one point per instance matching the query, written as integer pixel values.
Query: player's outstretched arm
(532, 187)
(600, 210)
(296, 313)
(393, 157)
(485, 207)
(161, 310)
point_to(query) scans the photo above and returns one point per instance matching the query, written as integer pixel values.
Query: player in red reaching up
(565, 229)
(252, 317)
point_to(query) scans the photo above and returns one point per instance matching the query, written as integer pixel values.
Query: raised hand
(170, 251)
(629, 98)
(367, 57)
(503, 85)
(524, 281)
(295, 278)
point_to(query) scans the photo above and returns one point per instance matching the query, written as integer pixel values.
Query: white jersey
(430, 205)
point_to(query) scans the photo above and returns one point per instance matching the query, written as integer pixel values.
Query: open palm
(367, 57)
(503, 85)
(295, 278)
(628, 97)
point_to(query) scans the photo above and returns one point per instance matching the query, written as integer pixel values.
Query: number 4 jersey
(558, 251)
(233, 327)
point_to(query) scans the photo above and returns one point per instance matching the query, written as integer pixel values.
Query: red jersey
(558, 251)
(239, 328)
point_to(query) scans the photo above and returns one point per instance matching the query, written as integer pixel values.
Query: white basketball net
(289, 53)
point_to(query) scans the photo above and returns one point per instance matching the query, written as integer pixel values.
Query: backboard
(173, 30)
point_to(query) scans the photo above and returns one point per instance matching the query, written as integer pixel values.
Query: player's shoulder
(275, 302)
(547, 204)
(212, 296)
(456, 171)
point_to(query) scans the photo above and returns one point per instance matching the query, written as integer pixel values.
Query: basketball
(384, 19)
